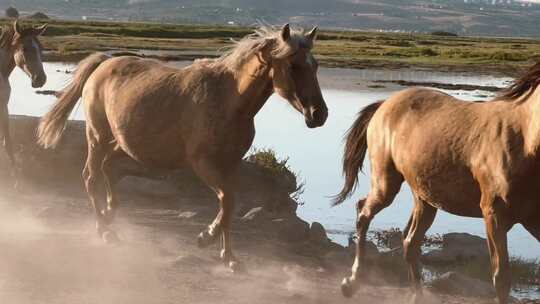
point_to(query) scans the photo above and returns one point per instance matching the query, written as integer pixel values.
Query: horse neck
(7, 62)
(253, 86)
(532, 121)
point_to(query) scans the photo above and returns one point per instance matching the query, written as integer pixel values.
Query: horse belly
(153, 151)
(448, 191)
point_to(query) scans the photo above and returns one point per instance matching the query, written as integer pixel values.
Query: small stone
(187, 214)
(459, 284)
(253, 214)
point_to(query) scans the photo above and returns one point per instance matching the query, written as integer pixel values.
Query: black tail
(355, 151)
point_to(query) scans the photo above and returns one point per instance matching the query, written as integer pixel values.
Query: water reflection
(316, 153)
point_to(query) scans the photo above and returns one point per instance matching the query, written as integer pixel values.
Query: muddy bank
(438, 85)
(51, 253)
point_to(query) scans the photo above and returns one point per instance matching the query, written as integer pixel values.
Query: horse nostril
(316, 114)
(39, 81)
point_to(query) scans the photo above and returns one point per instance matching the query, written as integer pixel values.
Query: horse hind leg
(386, 183)
(497, 226)
(111, 176)
(421, 219)
(92, 174)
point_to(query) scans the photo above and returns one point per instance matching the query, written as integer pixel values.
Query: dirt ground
(51, 254)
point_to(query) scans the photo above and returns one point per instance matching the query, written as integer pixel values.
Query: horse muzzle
(315, 117)
(39, 81)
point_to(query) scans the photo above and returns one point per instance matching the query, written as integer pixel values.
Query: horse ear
(286, 32)
(40, 30)
(311, 34)
(17, 27)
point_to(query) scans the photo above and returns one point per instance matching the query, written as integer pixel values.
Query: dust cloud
(50, 253)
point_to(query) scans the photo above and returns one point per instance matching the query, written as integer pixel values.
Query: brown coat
(469, 159)
(200, 116)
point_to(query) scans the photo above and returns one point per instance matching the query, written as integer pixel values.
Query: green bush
(267, 159)
(400, 43)
(428, 52)
(507, 56)
(443, 33)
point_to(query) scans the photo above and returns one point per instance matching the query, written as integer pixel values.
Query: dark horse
(469, 159)
(200, 116)
(18, 47)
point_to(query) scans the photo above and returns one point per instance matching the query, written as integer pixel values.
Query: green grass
(71, 40)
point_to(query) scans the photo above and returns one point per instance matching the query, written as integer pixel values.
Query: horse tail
(355, 151)
(53, 124)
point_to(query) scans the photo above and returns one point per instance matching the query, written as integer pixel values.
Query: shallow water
(316, 153)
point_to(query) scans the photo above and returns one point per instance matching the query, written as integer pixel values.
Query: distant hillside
(465, 17)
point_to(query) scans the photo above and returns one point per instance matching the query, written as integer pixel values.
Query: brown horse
(200, 116)
(469, 159)
(18, 47)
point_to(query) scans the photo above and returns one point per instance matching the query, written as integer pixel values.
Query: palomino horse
(200, 116)
(18, 47)
(469, 159)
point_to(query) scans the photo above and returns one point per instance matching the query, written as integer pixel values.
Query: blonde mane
(243, 49)
(6, 38)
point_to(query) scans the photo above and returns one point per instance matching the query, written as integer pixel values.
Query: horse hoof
(110, 237)
(236, 267)
(346, 288)
(108, 217)
(17, 187)
(205, 239)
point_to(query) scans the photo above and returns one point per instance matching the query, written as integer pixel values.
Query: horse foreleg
(422, 218)
(6, 141)
(221, 183)
(227, 206)
(497, 226)
(381, 196)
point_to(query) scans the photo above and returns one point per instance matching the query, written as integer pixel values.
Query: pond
(316, 153)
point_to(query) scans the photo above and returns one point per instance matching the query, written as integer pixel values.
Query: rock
(291, 229)
(254, 214)
(390, 238)
(371, 249)
(458, 284)
(149, 187)
(395, 240)
(338, 259)
(458, 247)
(317, 233)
